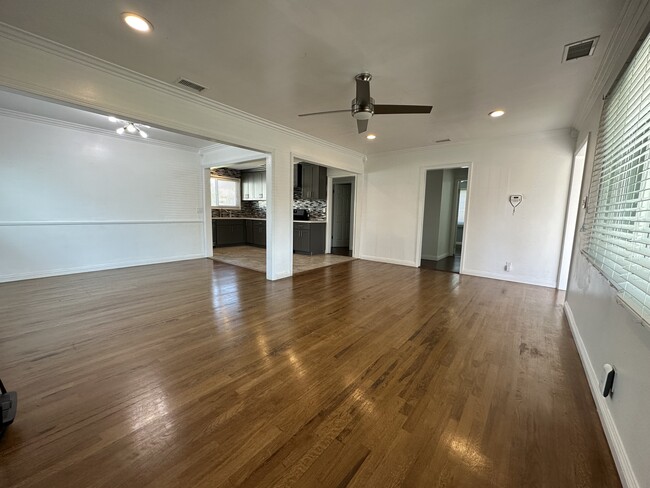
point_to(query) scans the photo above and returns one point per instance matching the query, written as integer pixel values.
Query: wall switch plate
(508, 266)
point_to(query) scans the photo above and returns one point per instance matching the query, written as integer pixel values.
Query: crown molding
(632, 22)
(32, 40)
(4, 112)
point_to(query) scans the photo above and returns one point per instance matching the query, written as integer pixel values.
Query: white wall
(36, 66)
(431, 228)
(605, 332)
(446, 203)
(535, 165)
(76, 200)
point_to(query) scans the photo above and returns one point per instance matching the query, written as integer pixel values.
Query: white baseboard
(99, 267)
(401, 262)
(628, 479)
(431, 257)
(509, 277)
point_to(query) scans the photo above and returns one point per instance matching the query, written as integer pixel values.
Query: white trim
(20, 223)
(431, 257)
(623, 465)
(32, 40)
(511, 278)
(400, 262)
(100, 267)
(40, 119)
(571, 217)
(421, 200)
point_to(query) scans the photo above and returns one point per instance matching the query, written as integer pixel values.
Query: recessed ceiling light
(371, 137)
(112, 119)
(137, 22)
(497, 113)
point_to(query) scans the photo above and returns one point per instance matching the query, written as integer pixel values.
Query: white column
(279, 215)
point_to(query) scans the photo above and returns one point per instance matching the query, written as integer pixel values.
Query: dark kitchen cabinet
(314, 182)
(309, 238)
(259, 233)
(249, 231)
(228, 232)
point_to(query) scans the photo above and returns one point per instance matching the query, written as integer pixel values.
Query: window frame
(214, 189)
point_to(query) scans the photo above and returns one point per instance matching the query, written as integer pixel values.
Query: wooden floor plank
(363, 374)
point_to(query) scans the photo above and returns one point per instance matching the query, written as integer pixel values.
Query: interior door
(341, 214)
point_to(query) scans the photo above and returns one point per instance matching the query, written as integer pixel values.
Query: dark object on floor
(8, 403)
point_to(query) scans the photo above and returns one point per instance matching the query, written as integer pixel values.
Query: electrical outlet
(508, 266)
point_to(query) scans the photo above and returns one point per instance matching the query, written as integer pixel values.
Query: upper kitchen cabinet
(314, 182)
(253, 185)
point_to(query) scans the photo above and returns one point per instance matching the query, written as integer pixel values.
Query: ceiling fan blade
(362, 125)
(402, 109)
(328, 112)
(363, 88)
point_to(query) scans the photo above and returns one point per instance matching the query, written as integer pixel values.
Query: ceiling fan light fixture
(137, 22)
(362, 115)
(131, 128)
(371, 137)
(495, 114)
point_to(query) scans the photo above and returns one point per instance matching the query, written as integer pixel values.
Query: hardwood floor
(450, 264)
(201, 374)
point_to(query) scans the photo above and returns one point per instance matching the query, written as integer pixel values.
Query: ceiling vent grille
(439, 141)
(580, 49)
(185, 83)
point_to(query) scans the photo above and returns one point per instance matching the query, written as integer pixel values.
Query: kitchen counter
(259, 218)
(238, 218)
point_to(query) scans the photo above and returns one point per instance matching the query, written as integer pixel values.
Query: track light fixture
(130, 127)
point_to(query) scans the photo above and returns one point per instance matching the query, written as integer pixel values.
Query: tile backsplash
(257, 209)
(317, 208)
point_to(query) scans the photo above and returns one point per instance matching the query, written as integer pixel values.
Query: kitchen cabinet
(309, 238)
(228, 232)
(259, 233)
(253, 185)
(314, 182)
(249, 231)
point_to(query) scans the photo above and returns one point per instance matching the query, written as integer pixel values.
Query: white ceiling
(279, 58)
(35, 106)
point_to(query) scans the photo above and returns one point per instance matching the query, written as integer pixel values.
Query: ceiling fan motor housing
(361, 110)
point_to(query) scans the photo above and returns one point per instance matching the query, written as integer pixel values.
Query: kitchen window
(225, 192)
(617, 223)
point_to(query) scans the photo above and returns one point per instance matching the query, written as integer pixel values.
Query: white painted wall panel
(74, 200)
(537, 166)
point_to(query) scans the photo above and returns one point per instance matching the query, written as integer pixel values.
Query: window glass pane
(225, 192)
(462, 195)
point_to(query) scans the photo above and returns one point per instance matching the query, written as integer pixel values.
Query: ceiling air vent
(185, 83)
(439, 141)
(580, 49)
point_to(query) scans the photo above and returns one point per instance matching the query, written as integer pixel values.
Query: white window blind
(617, 223)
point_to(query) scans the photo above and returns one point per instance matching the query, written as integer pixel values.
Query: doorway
(342, 216)
(443, 227)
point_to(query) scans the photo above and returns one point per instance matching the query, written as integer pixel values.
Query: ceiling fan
(364, 107)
